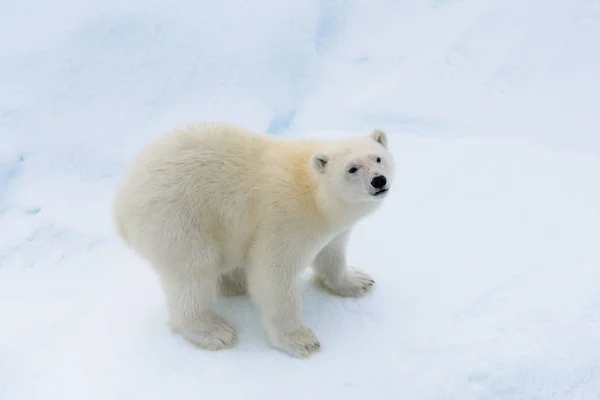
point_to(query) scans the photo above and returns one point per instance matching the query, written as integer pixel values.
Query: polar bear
(216, 208)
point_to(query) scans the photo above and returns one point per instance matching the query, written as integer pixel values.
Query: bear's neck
(338, 213)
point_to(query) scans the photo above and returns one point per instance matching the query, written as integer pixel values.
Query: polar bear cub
(215, 208)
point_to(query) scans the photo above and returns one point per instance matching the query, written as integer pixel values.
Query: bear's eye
(378, 159)
(353, 170)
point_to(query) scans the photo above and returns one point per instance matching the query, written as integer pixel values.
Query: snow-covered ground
(486, 253)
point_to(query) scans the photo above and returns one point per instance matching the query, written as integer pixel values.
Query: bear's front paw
(209, 332)
(299, 343)
(354, 283)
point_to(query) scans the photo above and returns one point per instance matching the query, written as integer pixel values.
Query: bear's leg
(332, 271)
(189, 298)
(233, 283)
(273, 285)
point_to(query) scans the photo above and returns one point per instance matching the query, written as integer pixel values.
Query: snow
(486, 253)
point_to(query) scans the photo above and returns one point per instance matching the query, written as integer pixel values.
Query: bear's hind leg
(189, 299)
(233, 283)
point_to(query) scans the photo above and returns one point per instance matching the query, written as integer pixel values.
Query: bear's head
(358, 169)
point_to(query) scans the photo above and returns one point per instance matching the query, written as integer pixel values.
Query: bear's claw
(354, 284)
(299, 343)
(209, 332)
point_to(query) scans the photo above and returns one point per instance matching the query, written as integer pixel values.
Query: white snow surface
(486, 253)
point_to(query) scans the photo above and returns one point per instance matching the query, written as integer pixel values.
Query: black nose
(379, 182)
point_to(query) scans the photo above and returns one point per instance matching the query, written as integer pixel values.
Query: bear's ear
(380, 137)
(319, 161)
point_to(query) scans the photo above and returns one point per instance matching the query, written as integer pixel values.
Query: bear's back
(214, 177)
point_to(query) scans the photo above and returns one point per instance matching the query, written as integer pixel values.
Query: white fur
(215, 207)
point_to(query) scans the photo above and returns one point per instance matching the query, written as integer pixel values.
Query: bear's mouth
(380, 192)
